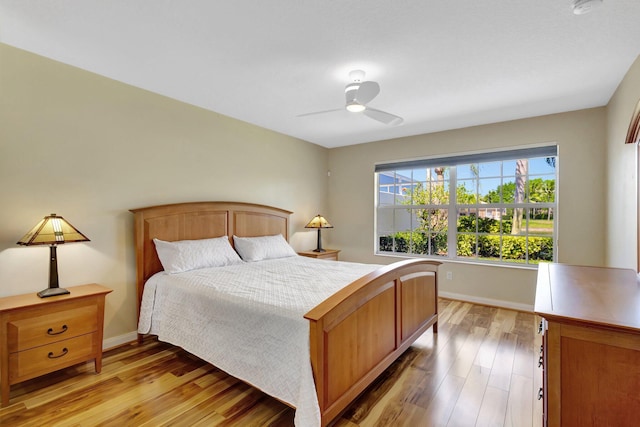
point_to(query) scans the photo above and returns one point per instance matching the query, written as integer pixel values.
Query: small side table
(42, 335)
(330, 254)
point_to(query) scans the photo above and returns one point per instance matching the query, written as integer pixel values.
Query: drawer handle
(540, 327)
(541, 359)
(52, 356)
(62, 331)
(540, 393)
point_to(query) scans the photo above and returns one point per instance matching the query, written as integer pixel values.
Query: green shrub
(467, 223)
(414, 243)
(514, 248)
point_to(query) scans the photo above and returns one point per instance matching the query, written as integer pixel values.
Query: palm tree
(522, 168)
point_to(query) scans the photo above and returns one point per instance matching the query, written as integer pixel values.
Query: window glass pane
(521, 188)
(437, 220)
(467, 245)
(539, 224)
(438, 244)
(514, 249)
(401, 242)
(386, 189)
(385, 221)
(542, 165)
(439, 174)
(540, 249)
(420, 243)
(489, 190)
(386, 198)
(506, 220)
(467, 191)
(489, 170)
(489, 247)
(402, 220)
(420, 193)
(404, 185)
(490, 216)
(508, 190)
(385, 243)
(519, 221)
(467, 220)
(542, 189)
(419, 175)
(509, 168)
(438, 193)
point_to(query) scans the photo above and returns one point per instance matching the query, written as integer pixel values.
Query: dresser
(42, 335)
(590, 355)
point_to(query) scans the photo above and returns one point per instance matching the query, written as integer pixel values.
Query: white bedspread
(248, 320)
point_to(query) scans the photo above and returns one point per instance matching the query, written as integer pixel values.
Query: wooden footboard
(359, 331)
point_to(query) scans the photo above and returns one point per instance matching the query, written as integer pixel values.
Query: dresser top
(32, 299)
(597, 295)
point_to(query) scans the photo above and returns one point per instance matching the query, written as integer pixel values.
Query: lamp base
(319, 250)
(52, 292)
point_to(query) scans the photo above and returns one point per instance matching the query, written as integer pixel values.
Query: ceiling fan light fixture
(355, 107)
(581, 7)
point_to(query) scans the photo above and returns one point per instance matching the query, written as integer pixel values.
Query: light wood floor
(480, 369)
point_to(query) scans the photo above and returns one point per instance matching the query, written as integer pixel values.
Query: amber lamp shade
(318, 222)
(53, 230)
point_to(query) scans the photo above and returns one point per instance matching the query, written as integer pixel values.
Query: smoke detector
(580, 7)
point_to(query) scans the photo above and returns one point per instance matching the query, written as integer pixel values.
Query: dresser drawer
(51, 327)
(47, 358)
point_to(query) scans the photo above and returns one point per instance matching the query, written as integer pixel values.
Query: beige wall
(622, 177)
(580, 136)
(89, 148)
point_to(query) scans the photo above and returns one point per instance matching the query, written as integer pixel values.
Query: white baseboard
(119, 340)
(488, 301)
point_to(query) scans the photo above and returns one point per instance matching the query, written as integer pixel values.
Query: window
(497, 207)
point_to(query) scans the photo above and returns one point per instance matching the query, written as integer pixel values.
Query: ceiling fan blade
(366, 92)
(319, 112)
(383, 117)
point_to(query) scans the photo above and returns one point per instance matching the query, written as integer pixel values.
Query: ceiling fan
(358, 94)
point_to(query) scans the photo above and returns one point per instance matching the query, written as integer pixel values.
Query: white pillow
(261, 248)
(185, 255)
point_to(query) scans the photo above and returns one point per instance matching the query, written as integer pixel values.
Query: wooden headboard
(199, 220)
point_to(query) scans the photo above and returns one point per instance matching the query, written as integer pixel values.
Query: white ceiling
(441, 64)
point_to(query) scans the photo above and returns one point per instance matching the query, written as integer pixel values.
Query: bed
(354, 333)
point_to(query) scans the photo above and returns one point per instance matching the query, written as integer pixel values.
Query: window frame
(453, 208)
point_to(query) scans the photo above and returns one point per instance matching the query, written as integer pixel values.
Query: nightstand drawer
(47, 358)
(328, 254)
(51, 327)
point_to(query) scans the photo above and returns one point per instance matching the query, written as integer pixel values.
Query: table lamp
(53, 230)
(319, 222)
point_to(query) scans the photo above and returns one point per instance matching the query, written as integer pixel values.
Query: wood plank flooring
(479, 370)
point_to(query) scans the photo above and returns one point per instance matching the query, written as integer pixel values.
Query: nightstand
(42, 335)
(331, 254)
